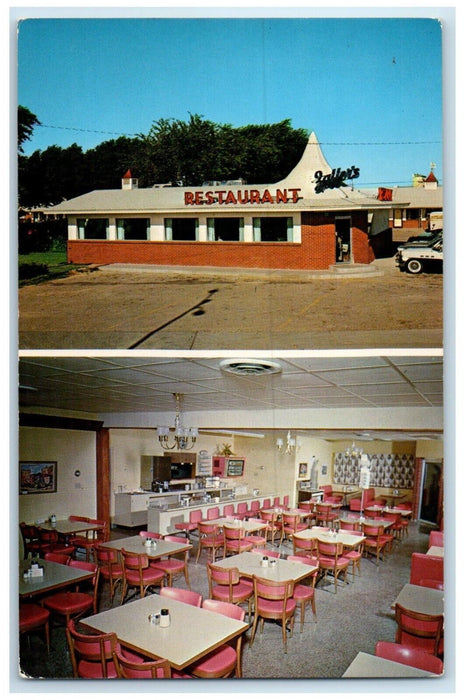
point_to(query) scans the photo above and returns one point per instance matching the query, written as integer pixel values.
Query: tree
(26, 123)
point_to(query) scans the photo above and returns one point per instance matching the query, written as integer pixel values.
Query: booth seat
(368, 499)
(328, 496)
(436, 538)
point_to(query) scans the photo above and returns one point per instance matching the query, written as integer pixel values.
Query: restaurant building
(311, 220)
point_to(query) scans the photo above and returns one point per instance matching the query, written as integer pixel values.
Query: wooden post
(103, 474)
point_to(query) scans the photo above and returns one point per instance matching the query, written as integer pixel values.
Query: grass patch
(34, 268)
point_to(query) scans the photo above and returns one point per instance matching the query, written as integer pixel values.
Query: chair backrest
(48, 536)
(424, 566)
(322, 509)
(411, 657)
(255, 506)
(228, 510)
(222, 577)
(286, 500)
(176, 538)
(347, 526)
(373, 531)
(427, 629)
(266, 503)
(195, 516)
(371, 512)
(86, 566)
(273, 590)
(105, 556)
(183, 595)
(152, 535)
(268, 517)
(143, 669)
(78, 518)
(276, 501)
(266, 552)
(306, 506)
(233, 533)
(134, 562)
(223, 608)
(330, 549)
(29, 532)
(91, 647)
(213, 513)
(436, 538)
(307, 544)
(242, 507)
(291, 521)
(206, 528)
(58, 558)
(102, 532)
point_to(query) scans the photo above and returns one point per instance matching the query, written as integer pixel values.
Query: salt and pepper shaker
(165, 617)
(265, 561)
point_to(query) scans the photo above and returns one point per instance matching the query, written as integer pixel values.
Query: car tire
(414, 267)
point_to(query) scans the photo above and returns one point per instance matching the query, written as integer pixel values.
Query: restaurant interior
(319, 478)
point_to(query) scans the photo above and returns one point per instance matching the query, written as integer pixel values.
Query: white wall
(71, 449)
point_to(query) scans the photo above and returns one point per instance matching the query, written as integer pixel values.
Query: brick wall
(316, 252)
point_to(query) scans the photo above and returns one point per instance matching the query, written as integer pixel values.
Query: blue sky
(369, 88)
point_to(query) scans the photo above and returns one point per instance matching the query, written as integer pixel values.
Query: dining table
(420, 599)
(250, 564)
(136, 544)
(54, 576)
(370, 666)
(435, 551)
(347, 539)
(358, 522)
(246, 525)
(70, 527)
(192, 633)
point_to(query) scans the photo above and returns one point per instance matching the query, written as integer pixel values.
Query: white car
(416, 258)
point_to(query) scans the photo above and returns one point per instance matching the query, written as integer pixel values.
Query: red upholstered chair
(303, 594)
(286, 501)
(354, 553)
(92, 537)
(138, 574)
(259, 536)
(273, 601)
(33, 617)
(254, 510)
(420, 631)
(325, 514)
(31, 539)
(93, 655)
(266, 503)
(276, 503)
(151, 535)
(73, 604)
(410, 657)
(109, 566)
(49, 542)
(374, 541)
(213, 513)
(332, 559)
(228, 586)
(436, 538)
(305, 545)
(195, 516)
(189, 597)
(174, 564)
(228, 511)
(211, 538)
(274, 524)
(424, 566)
(291, 525)
(235, 540)
(241, 510)
(226, 660)
(266, 552)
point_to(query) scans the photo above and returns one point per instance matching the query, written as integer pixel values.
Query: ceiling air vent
(250, 368)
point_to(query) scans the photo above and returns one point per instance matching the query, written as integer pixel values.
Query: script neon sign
(335, 178)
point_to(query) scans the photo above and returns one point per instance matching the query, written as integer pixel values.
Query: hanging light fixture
(290, 446)
(354, 451)
(182, 438)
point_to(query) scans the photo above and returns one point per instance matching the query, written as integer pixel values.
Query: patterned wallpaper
(389, 471)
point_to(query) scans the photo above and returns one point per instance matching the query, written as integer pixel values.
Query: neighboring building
(311, 220)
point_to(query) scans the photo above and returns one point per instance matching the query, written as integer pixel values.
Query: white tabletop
(435, 551)
(369, 666)
(193, 631)
(55, 576)
(366, 521)
(246, 525)
(68, 527)
(341, 536)
(249, 564)
(429, 601)
(136, 545)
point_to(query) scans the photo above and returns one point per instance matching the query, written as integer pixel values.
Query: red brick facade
(317, 251)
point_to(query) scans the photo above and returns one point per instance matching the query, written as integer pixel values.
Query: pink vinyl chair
(226, 660)
(213, 513)
(228, 586)
(174, 564)
(409, 656)
(211, 538)
(189, 597)
(228, 511)
(303, 594)
(195, 516)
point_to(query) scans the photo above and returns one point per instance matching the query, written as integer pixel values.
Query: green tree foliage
(26, 123)
(174, 151)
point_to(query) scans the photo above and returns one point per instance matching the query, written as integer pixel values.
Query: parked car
(416, 258)
(427, 237)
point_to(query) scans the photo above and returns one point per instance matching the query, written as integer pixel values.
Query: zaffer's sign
(335, 178)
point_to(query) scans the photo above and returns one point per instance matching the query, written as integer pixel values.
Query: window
(225, 229)
(92, 228)
(412, 214)
(181, 229)
(273, 228)
(132, 229)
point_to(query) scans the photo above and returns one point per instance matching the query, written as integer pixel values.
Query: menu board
(235, 467)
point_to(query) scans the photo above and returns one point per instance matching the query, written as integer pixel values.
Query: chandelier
(354, 451)
(290, 446)
(182, 438)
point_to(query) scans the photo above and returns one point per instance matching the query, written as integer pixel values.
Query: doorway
(343, 227)
(430, 493)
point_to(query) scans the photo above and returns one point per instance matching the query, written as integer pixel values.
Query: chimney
(129, 182)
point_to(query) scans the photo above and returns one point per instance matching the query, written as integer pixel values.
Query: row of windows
(267, 229)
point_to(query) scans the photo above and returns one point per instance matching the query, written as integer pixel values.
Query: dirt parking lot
(131, 307)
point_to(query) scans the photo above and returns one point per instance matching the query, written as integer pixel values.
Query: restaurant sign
(335, 178)
(247, 196)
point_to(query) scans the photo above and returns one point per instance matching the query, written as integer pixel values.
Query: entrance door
(430, 492)
(343, 239)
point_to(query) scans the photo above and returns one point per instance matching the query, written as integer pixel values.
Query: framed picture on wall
(37, 477)
(303, 469)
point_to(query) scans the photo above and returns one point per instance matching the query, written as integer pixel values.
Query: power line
(90, 131)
